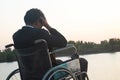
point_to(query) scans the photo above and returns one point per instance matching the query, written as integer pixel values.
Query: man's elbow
(64, 43)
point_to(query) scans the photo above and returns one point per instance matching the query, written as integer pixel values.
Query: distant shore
(83, 48)
(13, 58)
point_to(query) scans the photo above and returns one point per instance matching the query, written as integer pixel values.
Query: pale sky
(87, 20)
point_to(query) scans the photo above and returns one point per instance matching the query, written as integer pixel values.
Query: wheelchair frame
(70, 67)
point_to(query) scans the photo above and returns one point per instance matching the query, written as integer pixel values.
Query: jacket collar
(29, 26)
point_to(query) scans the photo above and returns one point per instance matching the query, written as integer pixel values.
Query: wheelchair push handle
(9, 45)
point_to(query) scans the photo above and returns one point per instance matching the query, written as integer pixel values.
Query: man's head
(33, 17)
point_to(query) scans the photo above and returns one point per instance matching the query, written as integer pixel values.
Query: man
(35, 20)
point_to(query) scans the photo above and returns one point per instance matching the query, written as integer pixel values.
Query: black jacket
(26, 36)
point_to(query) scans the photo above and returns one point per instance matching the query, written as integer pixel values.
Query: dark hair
(33, 15)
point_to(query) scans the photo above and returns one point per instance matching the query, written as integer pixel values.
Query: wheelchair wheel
(86, 76)
(14, 75)
(59, 74)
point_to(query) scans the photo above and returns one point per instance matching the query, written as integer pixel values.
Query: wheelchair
(35, 63)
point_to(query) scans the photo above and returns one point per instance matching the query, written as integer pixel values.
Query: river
(105, 66)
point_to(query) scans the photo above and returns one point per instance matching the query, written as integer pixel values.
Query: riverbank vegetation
(83, 47)
(112, 45)
(7, 55)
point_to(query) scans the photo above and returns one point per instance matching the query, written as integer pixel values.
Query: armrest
(69, 49)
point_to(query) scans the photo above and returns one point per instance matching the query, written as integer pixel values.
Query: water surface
(105, 66)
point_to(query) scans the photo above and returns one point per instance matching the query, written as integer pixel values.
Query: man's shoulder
(28, 30)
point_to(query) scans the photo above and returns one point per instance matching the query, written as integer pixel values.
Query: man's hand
(45, 23)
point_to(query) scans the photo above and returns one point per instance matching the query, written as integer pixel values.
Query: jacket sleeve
(57, 38)
(54, 38)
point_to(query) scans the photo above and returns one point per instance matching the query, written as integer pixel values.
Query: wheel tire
(13, 74)
(51, 73)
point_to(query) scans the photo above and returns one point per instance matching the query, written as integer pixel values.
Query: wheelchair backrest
(34, 61)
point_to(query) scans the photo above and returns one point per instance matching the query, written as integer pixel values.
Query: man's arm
(55, 39)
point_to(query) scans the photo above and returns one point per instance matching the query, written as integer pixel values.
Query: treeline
(112, 45)
(7, 55)
(83, 47)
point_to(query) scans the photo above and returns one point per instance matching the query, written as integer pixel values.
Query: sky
(86, 20)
